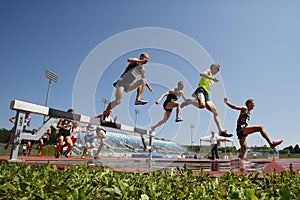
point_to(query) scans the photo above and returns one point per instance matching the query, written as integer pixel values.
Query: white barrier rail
(22, 107)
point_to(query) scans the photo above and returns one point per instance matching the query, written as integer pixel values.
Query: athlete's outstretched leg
(263, 132)
(118, 99)
(198, 102)
(161, 122)
(212, 108)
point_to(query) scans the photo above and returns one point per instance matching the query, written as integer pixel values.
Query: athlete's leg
(189, 102)
(140, 85)
(139, 92)
(198, 102)
(161, 122)
(118, 99)
(212, 108)
(93, 145)
(216, 152)
(177, 112)
(243, 144)
(212, 151)
(171, 105)
(136, 84)
(59, 146)
(69, 144)
(40, 147)
(85, 150)
(201, 100)
(252, 129)
(102, 142)
(29, 147)
(143, 142)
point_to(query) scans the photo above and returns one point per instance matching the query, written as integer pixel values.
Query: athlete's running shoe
(225, 134)
(140, 102)
(178, 120)
(276, 144)
(63, 152)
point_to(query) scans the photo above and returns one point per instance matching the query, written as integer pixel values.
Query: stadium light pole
(192, 126)
(104, 101)
(136, 111)
(52, 77)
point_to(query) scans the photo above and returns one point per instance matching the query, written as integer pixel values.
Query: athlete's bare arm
(133, 60)
(163, 95)
(232, 106)
(183, 96)
(207, 74)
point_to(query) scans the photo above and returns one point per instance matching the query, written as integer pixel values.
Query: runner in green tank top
(201, 96)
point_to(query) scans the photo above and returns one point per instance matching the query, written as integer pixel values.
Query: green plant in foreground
(20, 181)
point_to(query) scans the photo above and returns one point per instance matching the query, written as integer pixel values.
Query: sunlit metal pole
(192, 126)
(52, 77)
(104, 101)
(136, 113)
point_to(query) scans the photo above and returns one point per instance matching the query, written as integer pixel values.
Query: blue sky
(256, 43)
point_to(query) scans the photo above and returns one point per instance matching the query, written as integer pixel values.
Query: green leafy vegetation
(20, 181)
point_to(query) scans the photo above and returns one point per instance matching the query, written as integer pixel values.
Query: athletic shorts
(240, 132)
(123, 83)
(44, 141)
(74, 139)
(101, 132)
(204, 92)
(165, 105)
(63, 133)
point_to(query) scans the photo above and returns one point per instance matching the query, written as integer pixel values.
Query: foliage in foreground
(20, 181)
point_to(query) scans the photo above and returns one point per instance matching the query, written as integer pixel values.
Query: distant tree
(52, 138)
(4, 135)
(296, 149)
(291, 149)
(228, 149)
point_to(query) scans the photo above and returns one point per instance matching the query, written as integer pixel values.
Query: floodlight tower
(52, 77)
(192, 126)
(104, 101)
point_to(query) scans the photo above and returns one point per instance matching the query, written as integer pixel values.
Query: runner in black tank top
(127, 81)
(243, 130)
(170, 103)
(65, 129)
(242, 123)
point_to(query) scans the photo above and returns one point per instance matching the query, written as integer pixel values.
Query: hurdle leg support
(150, 150)
(18, 128)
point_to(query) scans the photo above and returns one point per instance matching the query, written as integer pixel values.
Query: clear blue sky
(256, 43)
